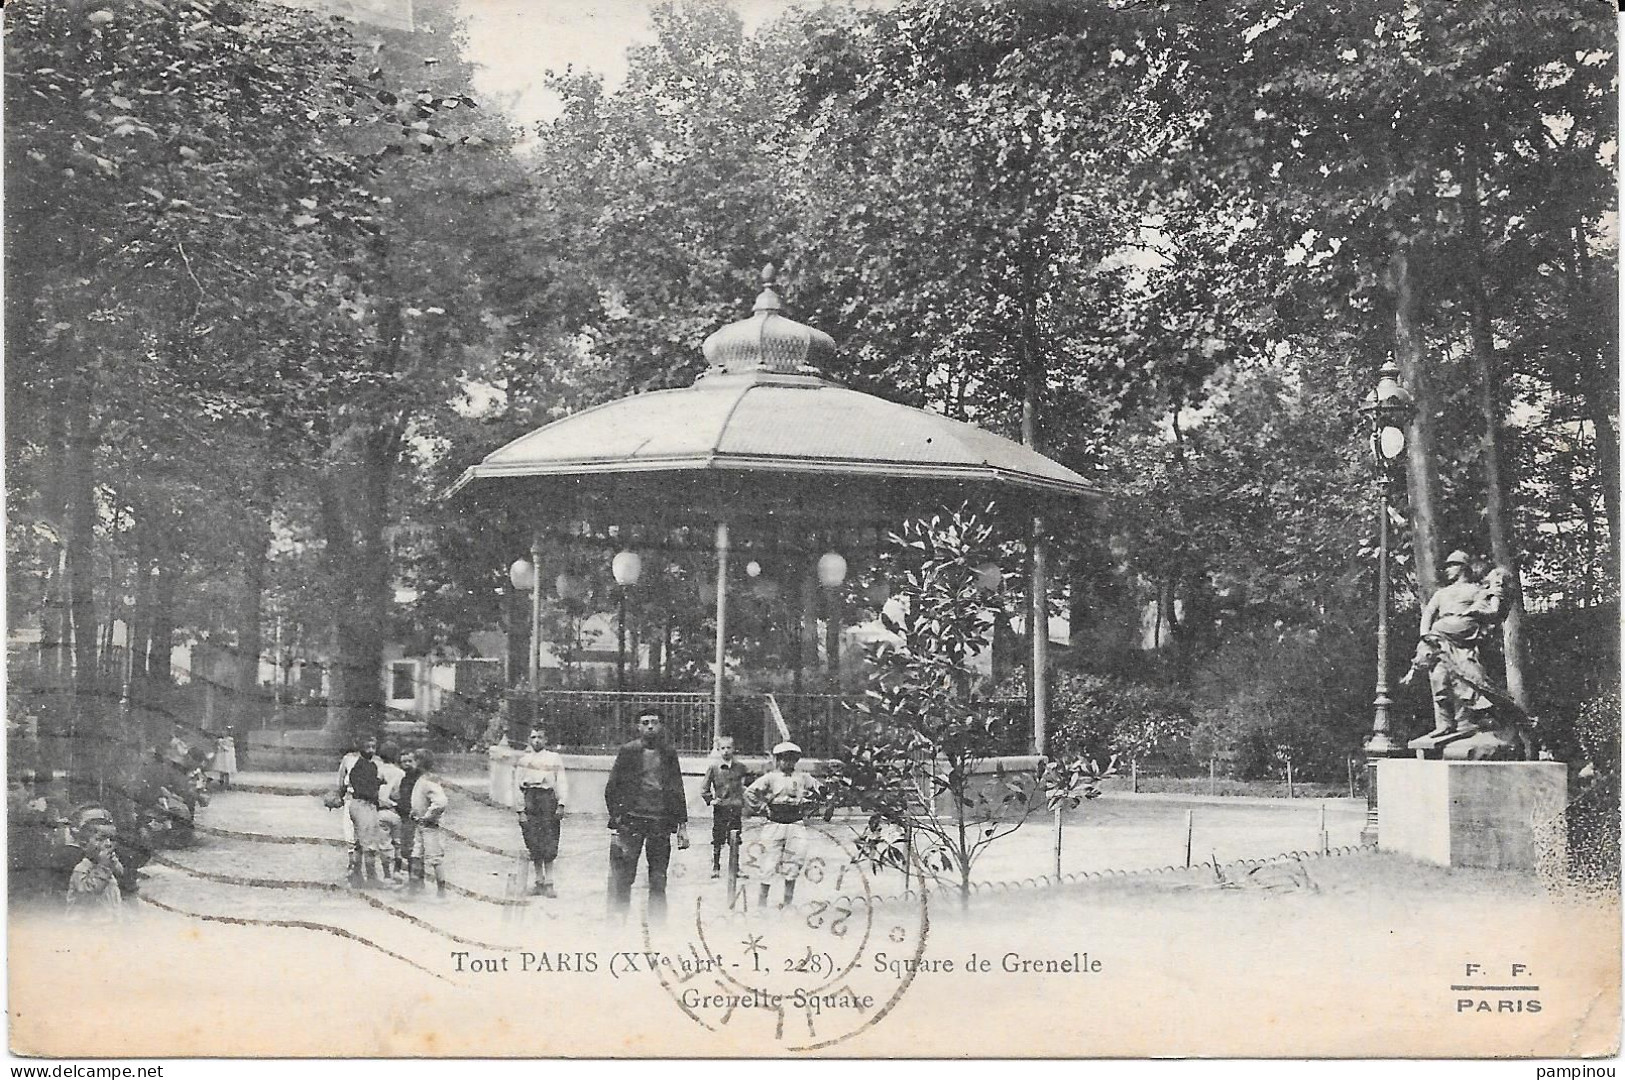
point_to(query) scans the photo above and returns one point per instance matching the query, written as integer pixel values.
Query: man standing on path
(543, 791)
(362, 786)
(724, 791)
(644, 796)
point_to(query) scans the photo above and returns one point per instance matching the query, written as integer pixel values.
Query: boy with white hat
(786, 797)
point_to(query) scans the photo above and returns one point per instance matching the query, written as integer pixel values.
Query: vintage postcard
(891, 528)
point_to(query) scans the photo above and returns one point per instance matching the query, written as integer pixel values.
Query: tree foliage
(275, 280)
(921, 762)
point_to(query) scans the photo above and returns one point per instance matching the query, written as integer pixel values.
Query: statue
(1473, 720)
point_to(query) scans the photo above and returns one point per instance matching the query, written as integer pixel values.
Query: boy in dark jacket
(644, 796)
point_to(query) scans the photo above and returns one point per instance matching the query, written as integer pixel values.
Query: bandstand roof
(763, 418)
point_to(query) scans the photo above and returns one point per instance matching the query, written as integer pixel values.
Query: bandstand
(764, 443)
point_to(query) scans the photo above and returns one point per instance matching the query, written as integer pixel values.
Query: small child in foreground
(428, 807)
(93, 889)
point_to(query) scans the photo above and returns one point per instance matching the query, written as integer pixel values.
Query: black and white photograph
(739, 529)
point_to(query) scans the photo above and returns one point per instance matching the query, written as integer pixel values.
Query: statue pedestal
(1495, 814)
(1475, 744)
(1433, 747)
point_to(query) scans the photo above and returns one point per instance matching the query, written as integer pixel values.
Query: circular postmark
(798, 976)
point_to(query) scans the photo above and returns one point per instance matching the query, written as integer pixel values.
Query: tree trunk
(1077, 603)
(794, 603)
(1606, 439)
(1497, 487)
(516, 620)
(962, 853)
(1006, 651)
(807, 623)
(353, 497)
(79, 524)
(1600, 395)
(138, 635)
(140, 632)
(1174, 617)
(1168, 628)
(656, 656)
(1421, 444)
(55, 637)
(247, 702)
(111, 666)
(163, 618)
(55, 633)
(354, 511)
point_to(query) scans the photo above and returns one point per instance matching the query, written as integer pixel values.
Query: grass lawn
(1201, 785)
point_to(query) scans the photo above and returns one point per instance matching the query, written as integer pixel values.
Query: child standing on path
(543, 790)
(786, 797)
(223, 765)
(724, 792)
(428, 807)
(401, 796)
(390, 775)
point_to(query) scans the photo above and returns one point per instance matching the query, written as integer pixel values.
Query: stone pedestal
(1495, 814)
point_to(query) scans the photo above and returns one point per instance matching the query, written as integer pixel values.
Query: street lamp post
(627, 567)
(525, 576)
(831, 575)
(1389, 409)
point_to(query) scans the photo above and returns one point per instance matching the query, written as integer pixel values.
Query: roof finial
(767, 299)
(768, 342)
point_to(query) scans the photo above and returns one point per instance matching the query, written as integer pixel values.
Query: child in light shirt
(786, 797)
(428, 807)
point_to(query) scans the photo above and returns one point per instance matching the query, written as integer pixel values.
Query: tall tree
(1381, 148)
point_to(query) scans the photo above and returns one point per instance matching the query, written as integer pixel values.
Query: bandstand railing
(599, 720)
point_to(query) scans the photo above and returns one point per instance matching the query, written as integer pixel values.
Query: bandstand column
(722, 628)
(1038, 619)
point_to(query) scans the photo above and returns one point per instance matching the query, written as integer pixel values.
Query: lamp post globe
(1389, 408)
(522, 574)
(831, 569)
(627, 566)
(989, 577)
